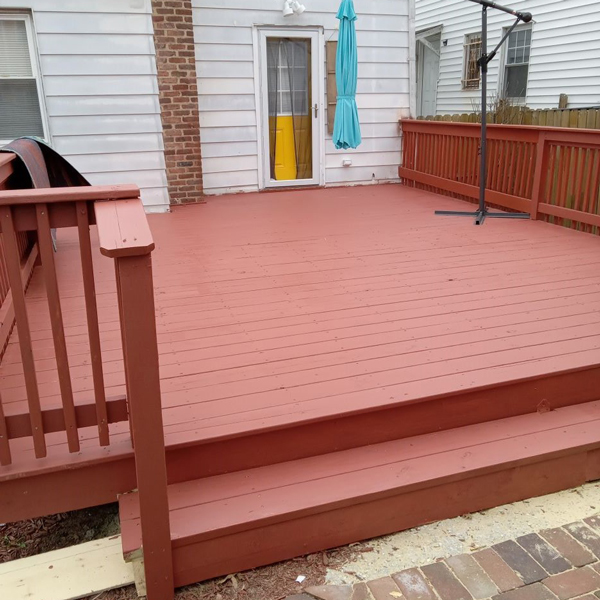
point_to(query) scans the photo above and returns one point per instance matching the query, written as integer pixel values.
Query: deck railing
(27, 253)
(124, 237)
(551, 173)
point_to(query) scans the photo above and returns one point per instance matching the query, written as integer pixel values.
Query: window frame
(502, 79)
(27, 18)
(467, 44)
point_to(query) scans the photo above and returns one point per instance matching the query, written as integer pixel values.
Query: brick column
(178, 95)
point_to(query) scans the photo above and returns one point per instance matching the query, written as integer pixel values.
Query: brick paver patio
(554, 564)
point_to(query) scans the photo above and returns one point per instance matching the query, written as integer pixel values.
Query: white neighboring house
(231, 41)
(558, 53)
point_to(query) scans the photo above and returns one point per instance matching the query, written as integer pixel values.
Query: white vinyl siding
(225, 64)
(565, 58)
(100, 91)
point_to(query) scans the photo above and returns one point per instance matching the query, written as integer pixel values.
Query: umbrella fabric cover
(346, 128)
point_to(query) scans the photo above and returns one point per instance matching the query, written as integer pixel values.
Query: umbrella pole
(482, 212)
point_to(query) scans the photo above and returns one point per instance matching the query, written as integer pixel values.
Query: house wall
(225, 65)
(565, 57)
(98, 70)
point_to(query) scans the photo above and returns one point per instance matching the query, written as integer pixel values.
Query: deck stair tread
(228, 504)
(555, 378)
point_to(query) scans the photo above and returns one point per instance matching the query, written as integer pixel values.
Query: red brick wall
(178, 94)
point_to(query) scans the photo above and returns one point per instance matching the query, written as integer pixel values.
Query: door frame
(422, 42)
(262, 114)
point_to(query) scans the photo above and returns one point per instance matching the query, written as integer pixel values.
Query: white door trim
(260, 34)
(424, 45)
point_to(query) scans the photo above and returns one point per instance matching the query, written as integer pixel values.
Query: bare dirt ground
(35, 536)
(274, 582)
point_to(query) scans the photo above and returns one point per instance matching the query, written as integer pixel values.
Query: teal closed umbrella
(346, 128)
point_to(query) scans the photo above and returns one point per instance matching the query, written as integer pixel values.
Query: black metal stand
(482, 212)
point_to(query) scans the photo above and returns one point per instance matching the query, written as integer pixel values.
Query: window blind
(14, 50)
(20, 112)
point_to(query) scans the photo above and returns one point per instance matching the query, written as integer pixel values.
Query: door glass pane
(289, 104)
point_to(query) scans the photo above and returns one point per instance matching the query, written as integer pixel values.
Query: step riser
(62, 491)
(345, 432)
(266, 545)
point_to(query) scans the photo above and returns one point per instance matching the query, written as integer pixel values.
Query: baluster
(524, 158)
(593, 207)
(594, 188)
(455, 162)
(5, 286)
(560, 177)
(492, 160)
(58, 328)
(541, 168)
(91, 309)
(460, 159)
(508, 176)
(5, 457)
(443, 153)
(580, 160)
(25, 344)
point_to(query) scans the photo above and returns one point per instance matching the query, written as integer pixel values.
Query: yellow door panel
(285, 149)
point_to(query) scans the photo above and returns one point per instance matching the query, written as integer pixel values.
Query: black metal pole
(483, 150)
(522, 16)
(482, 211)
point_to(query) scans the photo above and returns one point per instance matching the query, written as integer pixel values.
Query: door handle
(316, 109)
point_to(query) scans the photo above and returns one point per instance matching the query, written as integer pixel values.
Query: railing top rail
(123, 228)
(69, 194)
(550, 131)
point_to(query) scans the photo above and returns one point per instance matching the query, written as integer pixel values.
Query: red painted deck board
(296, 306)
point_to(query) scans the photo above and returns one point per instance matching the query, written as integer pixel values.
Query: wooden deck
(327, 358)
(300, 323)
(296, 306)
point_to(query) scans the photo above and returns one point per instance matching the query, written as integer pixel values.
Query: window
(516, 67)
(20, 112)
(472, 53)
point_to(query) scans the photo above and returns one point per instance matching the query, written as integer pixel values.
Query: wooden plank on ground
(74, 572)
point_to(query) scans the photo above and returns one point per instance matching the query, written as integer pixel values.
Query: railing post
(541, 167)
(140, 353)
(125, 236)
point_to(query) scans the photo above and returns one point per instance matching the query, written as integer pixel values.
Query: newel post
(541, 167)
(125, 236)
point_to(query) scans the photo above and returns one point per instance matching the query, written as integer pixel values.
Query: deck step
(201, 447)
(242, 520)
